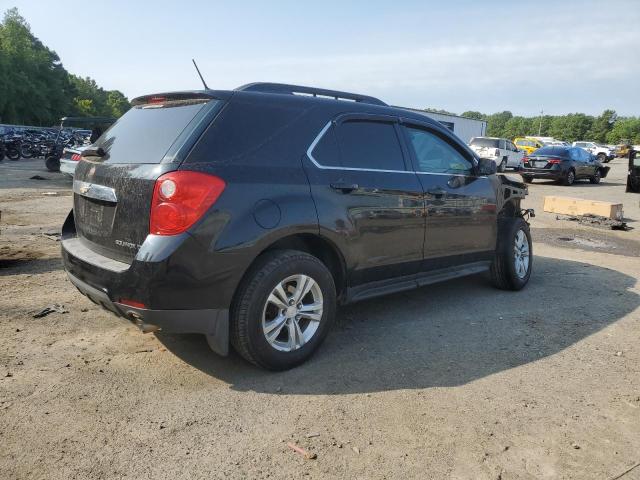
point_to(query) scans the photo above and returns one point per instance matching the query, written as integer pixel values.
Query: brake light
(179, 200)
(132, 303)
(76, 157)
(157, 100)
(555, 160)
(525, 159)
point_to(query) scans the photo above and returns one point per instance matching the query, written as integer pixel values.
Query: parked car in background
(501, 150)
(563, 164)
(70, 158)
(527, 145)
(603, 153)
(623, 149)
(248, 215)
(557, 143)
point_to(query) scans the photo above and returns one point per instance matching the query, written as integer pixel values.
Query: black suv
(247, 215)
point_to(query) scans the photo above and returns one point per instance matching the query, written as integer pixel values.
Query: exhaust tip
(140, 323)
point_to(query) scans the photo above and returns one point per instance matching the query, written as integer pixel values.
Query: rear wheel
(596, 177)
(602, 158)
(569, 178)
(511, 267)
(283, 310)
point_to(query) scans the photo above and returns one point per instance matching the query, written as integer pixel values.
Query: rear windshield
(145, 133)
(485, 142)
(555, 151)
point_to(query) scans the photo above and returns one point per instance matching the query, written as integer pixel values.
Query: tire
(52, 164)
(602, 158)
(596, 177)
(569, 178)
(503, 165)
(25, 151)
(527, 179)
(13, 154)
(253, 310)
(506, 271)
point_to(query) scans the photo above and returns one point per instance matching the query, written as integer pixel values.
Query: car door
(369, 201)
(515, 157)
(461, 223)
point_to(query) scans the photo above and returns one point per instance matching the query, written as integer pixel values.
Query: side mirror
(486, 167)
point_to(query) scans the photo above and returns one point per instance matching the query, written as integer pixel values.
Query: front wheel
(602, 158)
(595, 179)
(283, 309)
(511, 267)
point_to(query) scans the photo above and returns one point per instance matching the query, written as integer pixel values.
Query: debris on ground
(55, 236)
(37, 177)
(302, 451)
(50, 194)
(596, 221)
(314, 434)
(55, 308)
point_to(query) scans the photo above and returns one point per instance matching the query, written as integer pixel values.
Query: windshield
(484, 142)
(146, 132)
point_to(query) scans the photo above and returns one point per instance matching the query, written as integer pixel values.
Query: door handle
(437, 192)
(344, 187)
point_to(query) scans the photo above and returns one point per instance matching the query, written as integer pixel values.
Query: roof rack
(311, 91)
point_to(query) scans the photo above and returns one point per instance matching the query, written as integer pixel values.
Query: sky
(557, 56)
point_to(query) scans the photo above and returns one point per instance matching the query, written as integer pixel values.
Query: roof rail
(312, 91)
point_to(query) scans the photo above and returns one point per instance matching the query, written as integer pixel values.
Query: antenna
(199, 74)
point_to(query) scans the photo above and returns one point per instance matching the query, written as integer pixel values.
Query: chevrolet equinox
(248, 215)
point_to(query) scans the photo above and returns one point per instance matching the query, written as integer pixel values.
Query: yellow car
(527, 145)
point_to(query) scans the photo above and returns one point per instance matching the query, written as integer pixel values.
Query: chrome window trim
(92, 190)
(354, 169)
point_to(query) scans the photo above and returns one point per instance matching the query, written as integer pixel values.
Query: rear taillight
(179, 200)
(76, 157)
(525, 159)
(555, 160)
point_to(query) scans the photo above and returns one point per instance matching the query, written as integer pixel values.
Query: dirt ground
(456, 380)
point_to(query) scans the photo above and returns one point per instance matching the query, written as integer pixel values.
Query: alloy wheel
(292, 313)
(521, 254)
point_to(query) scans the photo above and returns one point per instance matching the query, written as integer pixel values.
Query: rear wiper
(93, 152)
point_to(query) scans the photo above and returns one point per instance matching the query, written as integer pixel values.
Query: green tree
(601, 126)
(36, 89)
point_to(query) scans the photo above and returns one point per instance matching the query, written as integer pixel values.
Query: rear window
(145, 133)
(484, 142)
(555, 151)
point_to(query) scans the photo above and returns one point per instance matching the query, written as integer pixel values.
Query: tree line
(35, 88)
(606, 128)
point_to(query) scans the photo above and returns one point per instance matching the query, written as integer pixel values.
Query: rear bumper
(538, 173)
(214, 323)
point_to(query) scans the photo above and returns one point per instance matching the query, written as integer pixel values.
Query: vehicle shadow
(441, 335)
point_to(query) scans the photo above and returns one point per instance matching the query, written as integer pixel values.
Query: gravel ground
(456, 380)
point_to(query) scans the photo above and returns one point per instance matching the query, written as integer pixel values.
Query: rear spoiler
(169, 96)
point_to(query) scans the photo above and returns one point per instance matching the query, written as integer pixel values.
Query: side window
(501, 145)
(435, 155)
(326, 151)
(511, 147)
(371, 145)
